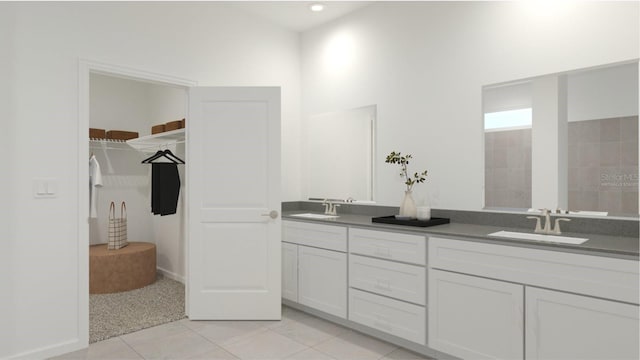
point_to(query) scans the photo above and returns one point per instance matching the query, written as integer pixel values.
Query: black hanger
(170, 155)
(166, 154)
(152, 157)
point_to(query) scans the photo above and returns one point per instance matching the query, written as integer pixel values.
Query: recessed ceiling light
(316, 7)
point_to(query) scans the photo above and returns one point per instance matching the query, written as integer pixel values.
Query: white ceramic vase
(408, 206)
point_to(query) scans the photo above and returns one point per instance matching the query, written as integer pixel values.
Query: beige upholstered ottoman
(132, 267)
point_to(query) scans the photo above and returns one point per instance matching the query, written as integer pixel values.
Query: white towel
(95, 181)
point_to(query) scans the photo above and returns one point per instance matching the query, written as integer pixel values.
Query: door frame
(85, 69)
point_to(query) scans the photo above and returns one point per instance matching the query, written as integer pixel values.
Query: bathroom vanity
(452, 291)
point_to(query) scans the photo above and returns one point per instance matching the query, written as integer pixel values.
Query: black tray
(412, 222)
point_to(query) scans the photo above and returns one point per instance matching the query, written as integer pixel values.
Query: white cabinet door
(322, 276)
(233, 190)
(475, 318)
(568, 326)
(290, 271)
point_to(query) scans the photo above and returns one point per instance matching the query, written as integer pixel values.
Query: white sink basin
(316, 216)
(539, 237)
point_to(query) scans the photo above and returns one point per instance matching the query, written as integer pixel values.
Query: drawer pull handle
(382, 252)
(383, 285)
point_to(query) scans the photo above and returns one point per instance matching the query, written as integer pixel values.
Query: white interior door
(233, 164)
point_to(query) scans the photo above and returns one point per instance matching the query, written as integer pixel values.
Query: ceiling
(296, 15)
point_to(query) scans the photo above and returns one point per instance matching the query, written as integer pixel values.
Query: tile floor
(298, 336)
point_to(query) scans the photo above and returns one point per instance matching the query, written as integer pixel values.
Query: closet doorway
(232, 224)
(126, 292)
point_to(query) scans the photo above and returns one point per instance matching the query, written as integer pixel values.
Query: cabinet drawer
(316, 235)
(400, 281)
(394, 317)
(585, 274)
(388, 245)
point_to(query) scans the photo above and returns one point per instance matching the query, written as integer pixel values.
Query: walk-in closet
(141, 284)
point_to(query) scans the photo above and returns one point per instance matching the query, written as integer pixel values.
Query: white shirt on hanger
(95, 180)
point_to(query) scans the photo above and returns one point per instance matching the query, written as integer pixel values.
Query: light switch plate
(45, 188)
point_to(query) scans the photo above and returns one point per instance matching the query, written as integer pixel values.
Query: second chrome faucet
(330, 207)
(547, 229)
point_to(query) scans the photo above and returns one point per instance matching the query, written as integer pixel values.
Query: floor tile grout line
(394, 347)
(324, 353)
(307, 347)
(329, 339)
(299, 342)
(219, 346)
(225, 346)
(290, 338)
(130, 347)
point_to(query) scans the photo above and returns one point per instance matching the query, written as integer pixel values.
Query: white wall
(208, 43)
(424, 63)
(7, 214)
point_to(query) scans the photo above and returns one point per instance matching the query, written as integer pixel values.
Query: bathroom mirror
(567, 140)
(339, 154)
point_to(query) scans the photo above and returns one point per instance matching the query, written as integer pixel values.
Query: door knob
(272, 214)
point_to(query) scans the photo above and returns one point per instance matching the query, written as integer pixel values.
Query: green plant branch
(403, 161)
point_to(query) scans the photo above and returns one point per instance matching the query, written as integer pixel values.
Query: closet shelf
(108, 144)
(156, 141)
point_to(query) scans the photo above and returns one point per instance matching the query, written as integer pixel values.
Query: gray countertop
(598, 244)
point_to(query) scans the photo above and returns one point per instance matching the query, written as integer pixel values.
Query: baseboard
(171, 275)
(51, 350)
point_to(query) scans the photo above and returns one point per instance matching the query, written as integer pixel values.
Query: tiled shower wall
(508, 169)
(603, 165)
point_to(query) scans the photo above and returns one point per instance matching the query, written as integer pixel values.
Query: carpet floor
(122, 313)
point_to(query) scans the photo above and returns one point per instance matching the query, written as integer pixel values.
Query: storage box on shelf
(156, 129)
(121, 135)
(173, 125)
(169, 126)
(97, 133)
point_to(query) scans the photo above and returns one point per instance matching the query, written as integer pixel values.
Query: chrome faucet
(547, 221)
(547, 229)
(330, 207)
(556, 229)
